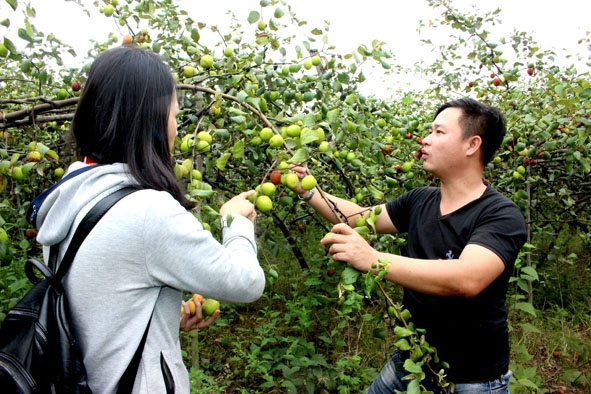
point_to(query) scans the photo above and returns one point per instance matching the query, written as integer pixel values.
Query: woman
(148, 247)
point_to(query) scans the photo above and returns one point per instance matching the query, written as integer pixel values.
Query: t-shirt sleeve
(400, 209)
(502, 230)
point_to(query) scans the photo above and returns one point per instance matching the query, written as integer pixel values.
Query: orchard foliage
(260, 93)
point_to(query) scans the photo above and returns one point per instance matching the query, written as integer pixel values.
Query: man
(463, 239)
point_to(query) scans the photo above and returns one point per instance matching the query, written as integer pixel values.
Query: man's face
(444, 149)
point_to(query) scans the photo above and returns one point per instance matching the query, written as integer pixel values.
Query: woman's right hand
(239, 205)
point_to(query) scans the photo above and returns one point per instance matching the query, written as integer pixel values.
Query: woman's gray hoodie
(142, 253)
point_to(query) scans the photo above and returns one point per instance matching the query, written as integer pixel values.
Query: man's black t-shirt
(471, 334)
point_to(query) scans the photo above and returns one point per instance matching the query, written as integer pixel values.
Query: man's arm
(475, 269)
(338, 210)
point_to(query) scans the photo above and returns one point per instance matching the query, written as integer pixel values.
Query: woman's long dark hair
(122, 117)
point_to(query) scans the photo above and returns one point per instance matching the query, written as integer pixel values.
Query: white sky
(553, 24)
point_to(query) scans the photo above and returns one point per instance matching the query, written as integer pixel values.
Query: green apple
(264, 203)
(276, 141)
(308, 182)
(293, 130)
(203, 146)
(268, 188)
(210, 306)
(62, 94)
(323, 147)
(360, 221)
(58, 172)
(228, 51)
(308, 64)
(205, 136)
(196, 175)
(292, 180)
(109, 10)
(320, 133)
(316, 60)
(407, 166)
(206, 61)
(266, 134)
(189, 71)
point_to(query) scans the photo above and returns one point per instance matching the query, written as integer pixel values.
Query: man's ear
(475, 142)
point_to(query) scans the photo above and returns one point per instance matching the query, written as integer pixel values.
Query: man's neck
(459, 191)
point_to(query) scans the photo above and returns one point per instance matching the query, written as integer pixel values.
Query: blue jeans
(390, 379)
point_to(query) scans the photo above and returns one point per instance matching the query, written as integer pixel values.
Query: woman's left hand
(195, 322)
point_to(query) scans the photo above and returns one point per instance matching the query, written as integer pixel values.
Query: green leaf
(527, 383)
(343, 78)
(202, 193)
(530, 119)
(526, 307)
(402, 344)
(12, 3)
(5, 22)
(402, 332)
(278, 13)
(411, 367)
(253, 17)
(22, 33)
(300, 156)
(349, 275)
(241, 96)
(255, 102)
(332, 115)
(530, 272)
(413, 387)
(222, 161)
(31, 12)
(559, 90)
(238, 119)
(9, 45)
(585, 93)
(236, 79)
(375, 192)
(362, 230)
(308, 136)
(195, 35)
(238, 149)
(380, 333)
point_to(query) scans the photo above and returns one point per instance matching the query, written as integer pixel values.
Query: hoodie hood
(55, 211)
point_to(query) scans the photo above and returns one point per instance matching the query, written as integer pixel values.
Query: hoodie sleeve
(179, 253)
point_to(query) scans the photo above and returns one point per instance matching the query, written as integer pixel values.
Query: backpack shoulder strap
(86, 225)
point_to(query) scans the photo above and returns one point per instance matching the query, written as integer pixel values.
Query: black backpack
(38, 348)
